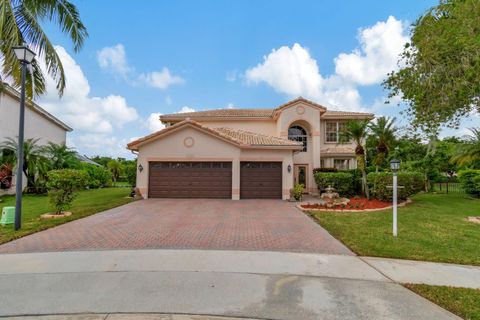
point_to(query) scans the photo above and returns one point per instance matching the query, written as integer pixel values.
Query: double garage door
(214, 180)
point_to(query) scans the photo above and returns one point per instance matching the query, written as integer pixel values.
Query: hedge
(341, 181)
(411, 183)
(470, 181)
(97, 176)
(324, 169)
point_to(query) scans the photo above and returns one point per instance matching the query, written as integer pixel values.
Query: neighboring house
(243, 153)
(39, 124)
(85, 159)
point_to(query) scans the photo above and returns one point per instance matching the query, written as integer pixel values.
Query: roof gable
(295, 102)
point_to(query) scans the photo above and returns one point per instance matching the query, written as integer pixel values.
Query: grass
(87, 203)
(432, 228)
(461, 301)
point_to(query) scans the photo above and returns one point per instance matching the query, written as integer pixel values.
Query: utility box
(8, 216)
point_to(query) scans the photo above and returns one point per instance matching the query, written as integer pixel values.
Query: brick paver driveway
(270, 225)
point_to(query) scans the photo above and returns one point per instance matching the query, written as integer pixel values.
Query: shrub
(341, 181)
(131, 173)
(315, 170)
(411, 182)
(356, 180)
(297, 191)
(470, 181)
(63, 186)
(97, 176)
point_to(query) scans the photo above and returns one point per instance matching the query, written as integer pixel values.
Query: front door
(300, 175)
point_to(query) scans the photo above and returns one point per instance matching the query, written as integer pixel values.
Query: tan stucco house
(242, 153)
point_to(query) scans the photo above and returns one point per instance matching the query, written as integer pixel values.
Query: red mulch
(354, 204)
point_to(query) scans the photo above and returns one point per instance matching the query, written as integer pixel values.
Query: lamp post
(395, 165)
(25, 57)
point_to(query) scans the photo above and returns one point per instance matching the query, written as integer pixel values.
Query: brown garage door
(260, 180)
(190, 180)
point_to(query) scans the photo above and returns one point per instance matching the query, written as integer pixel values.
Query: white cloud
(94, 119)
(153, 122)
(232, 75)
(380, 46)
(186, 109)
(294, 72)
(161, 80)
(230, 105)
(114, 58)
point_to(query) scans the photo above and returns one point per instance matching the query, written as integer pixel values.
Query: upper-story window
(334, 130)
(297, 133)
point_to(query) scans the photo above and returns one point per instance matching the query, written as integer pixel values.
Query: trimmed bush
(341, 181)
(97, 176)
(63, 186)
(315, 170)
(412, 183)
(470, 181)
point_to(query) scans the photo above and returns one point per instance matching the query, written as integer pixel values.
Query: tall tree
(440, 66)
(20, 22)
(356, 131)
(383, 131)
(34, 161)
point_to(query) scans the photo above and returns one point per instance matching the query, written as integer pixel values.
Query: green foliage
(115, 168)
(97, 177)
(439, 78)
(341, 181)
(61, 157)
(63, 186)
(470, 181)
(412, 183)
(468, 153)
(22, 22)
(315, 170)
(130, 170)
(297, 191)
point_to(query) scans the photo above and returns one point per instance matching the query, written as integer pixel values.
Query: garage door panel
(190, 180)
(261, 180)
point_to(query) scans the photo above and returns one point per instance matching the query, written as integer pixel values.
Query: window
(297, 133)
(341, 164)
(334, 130)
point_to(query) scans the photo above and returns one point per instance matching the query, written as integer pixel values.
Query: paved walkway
(252, 285)
(266, 225)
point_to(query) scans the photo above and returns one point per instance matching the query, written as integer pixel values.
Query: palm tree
(60, 156)
(469, 152)
(21, 22)
(383, 131)
(34, 161)
(115, 168)
(357, 131)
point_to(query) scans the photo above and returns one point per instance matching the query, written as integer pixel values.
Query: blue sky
(161, 56)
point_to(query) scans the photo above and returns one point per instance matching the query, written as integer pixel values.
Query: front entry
(300, 175)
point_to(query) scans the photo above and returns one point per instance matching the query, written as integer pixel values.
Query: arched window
(297, 133)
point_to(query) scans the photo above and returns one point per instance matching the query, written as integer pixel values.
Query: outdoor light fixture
(395, 166)
(25, 57)
(140, 167)
(24, 54)
(289, 168)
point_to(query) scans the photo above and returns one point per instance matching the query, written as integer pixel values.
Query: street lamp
(25, 56)
(395, 165)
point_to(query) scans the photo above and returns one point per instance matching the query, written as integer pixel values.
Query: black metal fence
(447, 187)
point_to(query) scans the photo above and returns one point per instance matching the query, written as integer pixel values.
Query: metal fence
(447, 187)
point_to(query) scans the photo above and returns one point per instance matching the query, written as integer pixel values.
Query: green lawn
(432, 228)
(461, 301)
(87, 203)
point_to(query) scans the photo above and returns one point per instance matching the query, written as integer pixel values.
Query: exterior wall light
(140, 167)
(289, 168)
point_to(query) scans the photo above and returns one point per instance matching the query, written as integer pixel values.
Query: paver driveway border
(256, 225)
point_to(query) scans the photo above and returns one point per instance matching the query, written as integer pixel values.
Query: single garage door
(260, 180)
(190, 180)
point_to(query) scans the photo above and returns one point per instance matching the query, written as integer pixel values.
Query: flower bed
(354, 204)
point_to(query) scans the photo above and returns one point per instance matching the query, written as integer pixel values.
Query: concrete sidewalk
(253, 285)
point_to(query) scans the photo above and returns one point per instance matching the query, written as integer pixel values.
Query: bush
(470, 181)
(315, 170)
(297, 191)
(131, 173)
(412, 183)
(97, 176)
(341, 181)
(63, 186)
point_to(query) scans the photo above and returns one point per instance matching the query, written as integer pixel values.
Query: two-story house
(242, 153)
